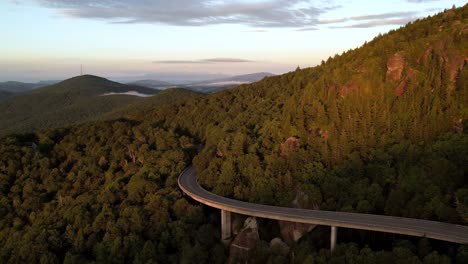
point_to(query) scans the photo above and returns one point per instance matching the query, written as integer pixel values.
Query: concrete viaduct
(391, 224)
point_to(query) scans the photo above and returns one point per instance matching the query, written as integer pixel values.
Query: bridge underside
(226, 229)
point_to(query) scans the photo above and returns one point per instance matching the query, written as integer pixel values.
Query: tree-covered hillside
(84, 194)
(380, 129)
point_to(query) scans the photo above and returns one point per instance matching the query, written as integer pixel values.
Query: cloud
(376, 23)
(266, 13)
(179, 62)
(420, 1)
(307, 29)
(261, 15)
(256, 31)
(204, 61)
(373, 20)
(333, 21)
(226, 60)
(384, 15)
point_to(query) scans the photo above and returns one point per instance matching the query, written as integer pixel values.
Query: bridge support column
(333, 238)
(225, 225)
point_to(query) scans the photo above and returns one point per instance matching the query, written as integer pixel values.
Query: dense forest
(380, 129)
(88, 194)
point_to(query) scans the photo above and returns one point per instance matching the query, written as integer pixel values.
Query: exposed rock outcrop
(323, 134)
(291, 144)
(236, 225)
(291, 231)
(453, 61)
(348, 88)
(243, 244)
(395, 66)
(400, 89)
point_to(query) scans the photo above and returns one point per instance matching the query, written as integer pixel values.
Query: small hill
(74, 100)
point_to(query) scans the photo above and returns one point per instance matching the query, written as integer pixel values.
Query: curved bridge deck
(398, 225)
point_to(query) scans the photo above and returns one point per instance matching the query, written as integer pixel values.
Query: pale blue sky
(49, 39)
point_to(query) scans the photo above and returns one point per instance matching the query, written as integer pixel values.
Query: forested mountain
(74, 100)
(380, 129)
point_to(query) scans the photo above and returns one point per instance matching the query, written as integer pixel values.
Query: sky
(140, 39)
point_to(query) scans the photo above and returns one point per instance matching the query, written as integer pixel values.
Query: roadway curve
(391, 224)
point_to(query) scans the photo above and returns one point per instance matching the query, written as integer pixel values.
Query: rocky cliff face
(290, 231)
(241, 247)
(395, 65)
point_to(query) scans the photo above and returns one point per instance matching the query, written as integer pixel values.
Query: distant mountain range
(13, 88)
(246, 78)
(205, 86)
(29, 106)
(225, 83)
(21, 87)
(16, 87)
(156, 84)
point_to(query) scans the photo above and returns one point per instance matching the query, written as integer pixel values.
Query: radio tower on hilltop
(81, 70)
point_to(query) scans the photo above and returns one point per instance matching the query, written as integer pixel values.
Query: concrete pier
(333, 238)
(225, 225)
